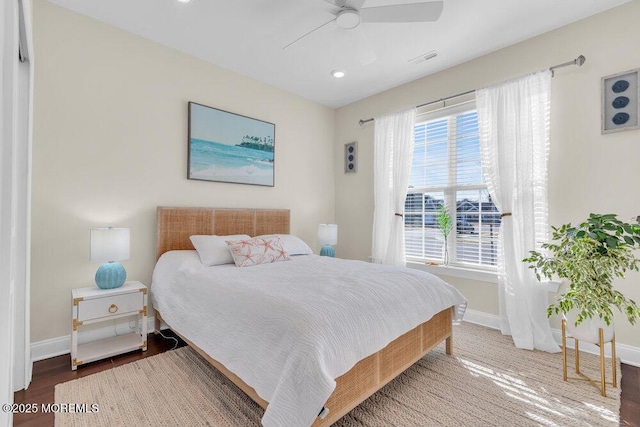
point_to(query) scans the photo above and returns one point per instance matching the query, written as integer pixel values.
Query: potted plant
(445, 225)
(589, 257)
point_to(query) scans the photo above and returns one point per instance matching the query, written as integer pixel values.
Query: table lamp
(110, 245)
(328, 236)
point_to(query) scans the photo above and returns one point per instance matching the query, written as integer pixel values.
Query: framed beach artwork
(228, 147)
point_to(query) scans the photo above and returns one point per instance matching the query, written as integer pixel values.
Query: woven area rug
(486, 383)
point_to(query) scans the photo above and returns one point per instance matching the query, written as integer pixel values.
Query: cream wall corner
(110, 144)
(589, 172)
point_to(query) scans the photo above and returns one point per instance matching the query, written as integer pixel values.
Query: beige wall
(110, 145)
(589, 172)
(110, 134)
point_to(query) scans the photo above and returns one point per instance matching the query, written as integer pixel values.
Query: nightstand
(94, 305)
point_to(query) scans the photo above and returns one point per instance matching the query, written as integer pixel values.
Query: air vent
(422, 58)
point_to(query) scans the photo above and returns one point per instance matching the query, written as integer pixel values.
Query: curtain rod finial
(580, 60)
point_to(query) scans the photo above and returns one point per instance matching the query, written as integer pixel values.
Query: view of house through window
(446, 171)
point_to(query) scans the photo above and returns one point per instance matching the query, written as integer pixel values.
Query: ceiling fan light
(348, 19)
(338, 74)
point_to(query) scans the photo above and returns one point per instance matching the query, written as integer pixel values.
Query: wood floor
(47, 373)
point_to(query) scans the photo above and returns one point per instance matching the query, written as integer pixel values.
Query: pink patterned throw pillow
(259, 250)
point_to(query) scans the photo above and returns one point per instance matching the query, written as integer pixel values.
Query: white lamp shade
(109, 244)
(328, 234)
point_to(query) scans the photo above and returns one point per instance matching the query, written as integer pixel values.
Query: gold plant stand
(601, 344)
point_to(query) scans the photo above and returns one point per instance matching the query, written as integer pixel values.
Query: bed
(369, 374)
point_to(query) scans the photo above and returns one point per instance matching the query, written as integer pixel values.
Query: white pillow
(293, 245)
(213, 250)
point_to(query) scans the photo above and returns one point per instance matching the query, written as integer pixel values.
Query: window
(446, 171)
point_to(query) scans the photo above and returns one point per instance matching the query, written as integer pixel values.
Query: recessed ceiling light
(184, 1)
(338, 74)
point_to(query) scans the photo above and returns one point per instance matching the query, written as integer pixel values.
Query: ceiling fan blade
(412, 12)
(306, 34)
(365, 53)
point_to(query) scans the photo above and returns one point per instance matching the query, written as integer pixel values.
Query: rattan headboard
(176, 225)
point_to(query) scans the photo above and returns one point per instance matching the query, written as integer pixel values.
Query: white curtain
(393, 152)
(16, 100)
(513, 119)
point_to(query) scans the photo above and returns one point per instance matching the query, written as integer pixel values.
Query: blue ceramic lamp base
(110, 275)
(327, 250)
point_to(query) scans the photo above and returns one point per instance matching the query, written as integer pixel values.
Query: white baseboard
(481, 318)
(626, 353)
(45, 349)
(62, 345)
(53, 347)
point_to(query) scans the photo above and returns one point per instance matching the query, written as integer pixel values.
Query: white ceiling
(248, 36)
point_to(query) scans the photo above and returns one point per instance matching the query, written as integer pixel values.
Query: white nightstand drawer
(109, 306)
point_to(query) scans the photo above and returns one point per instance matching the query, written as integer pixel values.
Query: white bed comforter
(288, 329)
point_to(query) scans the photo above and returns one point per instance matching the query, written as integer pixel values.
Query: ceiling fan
(349, 14)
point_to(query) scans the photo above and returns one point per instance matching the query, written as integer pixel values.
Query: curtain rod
(578, 61)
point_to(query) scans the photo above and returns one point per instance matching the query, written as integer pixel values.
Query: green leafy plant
(590, 256)
(445, 225)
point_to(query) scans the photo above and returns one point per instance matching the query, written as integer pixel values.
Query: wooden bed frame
(176, 225)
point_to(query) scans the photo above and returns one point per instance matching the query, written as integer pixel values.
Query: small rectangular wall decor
(620, 98)
(228, 147)
(351, 157)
